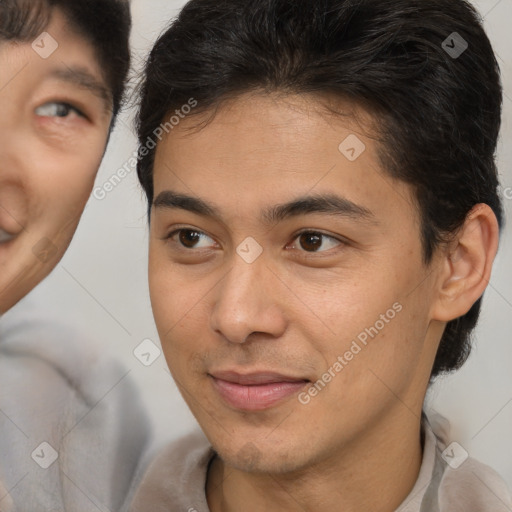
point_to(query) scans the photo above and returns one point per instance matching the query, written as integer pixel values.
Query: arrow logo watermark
(45, 455)
(455, 45)
(45, 45)
(44, 250)
(147, 352)
(455, 455)
(352, 148)
(249, 250)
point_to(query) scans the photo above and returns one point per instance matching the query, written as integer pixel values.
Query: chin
(260, 457)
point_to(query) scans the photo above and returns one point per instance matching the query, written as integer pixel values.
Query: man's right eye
(188, 238)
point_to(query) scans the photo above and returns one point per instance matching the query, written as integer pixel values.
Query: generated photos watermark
(342, 361)
(101, 192)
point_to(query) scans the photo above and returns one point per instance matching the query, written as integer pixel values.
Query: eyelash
(175, 232)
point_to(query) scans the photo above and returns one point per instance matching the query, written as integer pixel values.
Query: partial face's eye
(56, 109)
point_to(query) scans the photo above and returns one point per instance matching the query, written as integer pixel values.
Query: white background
(100, 287)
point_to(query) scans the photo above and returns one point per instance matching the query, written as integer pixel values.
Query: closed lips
(255, 379)
(256, 391)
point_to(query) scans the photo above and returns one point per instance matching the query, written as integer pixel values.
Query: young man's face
(55, 114)
(346, 305)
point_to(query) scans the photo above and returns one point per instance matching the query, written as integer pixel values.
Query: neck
(376, 472)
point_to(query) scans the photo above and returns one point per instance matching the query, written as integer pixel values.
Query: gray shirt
(72, 428)
(447, 482)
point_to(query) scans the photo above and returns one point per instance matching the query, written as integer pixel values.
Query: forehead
(262, 149)
(253, 126)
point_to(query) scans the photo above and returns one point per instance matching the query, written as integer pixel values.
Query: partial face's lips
(255, 378)
(5, 236)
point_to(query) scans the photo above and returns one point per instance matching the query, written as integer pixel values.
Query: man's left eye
(56, 109)
(313, 241)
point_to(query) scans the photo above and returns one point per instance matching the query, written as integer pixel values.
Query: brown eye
(311, 241)
(316, 242)
(189, 238)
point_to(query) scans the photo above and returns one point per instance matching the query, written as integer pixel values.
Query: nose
(247, 302)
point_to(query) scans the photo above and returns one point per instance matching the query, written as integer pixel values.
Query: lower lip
(256, 397)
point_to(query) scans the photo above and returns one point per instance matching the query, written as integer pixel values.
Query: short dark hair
(105, 23)
(438, 113)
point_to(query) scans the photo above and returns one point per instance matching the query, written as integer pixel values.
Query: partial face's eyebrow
(83, 78)
(329, 204)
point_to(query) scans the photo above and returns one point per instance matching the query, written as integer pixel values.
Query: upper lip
(255, 378)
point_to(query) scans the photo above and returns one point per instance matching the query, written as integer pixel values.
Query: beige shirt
(447, 482)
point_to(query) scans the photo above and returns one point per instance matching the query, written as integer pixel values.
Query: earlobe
(467, 264)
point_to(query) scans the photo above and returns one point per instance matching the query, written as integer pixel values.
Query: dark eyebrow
(82, 78)
(330, 204)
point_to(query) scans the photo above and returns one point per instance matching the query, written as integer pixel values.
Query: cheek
(177, 291)
(181, 318)
(182, 314)
(163, 289)
(383, 358)
(58, 198)
(68, 184)
(78, 172)
(372, 318)
(339, 305)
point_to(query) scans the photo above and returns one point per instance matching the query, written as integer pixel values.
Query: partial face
(54, 121)
(287, 283)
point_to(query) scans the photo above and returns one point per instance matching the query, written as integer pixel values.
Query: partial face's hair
(105, 24)
(438, 116)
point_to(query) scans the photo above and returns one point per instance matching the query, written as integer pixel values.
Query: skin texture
(299, 305)
(48, 161)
